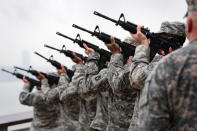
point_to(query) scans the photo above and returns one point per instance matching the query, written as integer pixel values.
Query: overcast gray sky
(26, 25)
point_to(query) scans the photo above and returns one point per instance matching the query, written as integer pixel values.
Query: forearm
(117, 72)
(45, 85)
(24, 96)
(63, 79)
(139, 69)
(91, 70)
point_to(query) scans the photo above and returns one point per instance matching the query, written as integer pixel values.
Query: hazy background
(26, 25)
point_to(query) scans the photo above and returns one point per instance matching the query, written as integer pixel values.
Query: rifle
(56, 64)
(127, 49)
(104, 55)
(67, 53)
(20, 76)
(51, 79)
(156, 41)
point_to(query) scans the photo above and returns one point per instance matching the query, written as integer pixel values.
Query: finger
(62, 66)
(138, 28)
(74, 54)
(38, 72)
(108, 46)
(85, 46)
(147, 28)
(112, 39)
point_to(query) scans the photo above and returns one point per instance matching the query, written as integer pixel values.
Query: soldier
(169, 97)
(142, 66)
(97, 85)
(46, 114)
(77, 90)
(122, 96)
(69, 109)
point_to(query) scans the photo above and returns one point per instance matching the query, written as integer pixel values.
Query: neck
(193, 37)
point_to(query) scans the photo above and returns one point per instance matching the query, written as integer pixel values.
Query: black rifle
(127, 49)
(104, 55)
(20, 76)
(67, 53)
(156, 41)
(56, 64)
(51, 79)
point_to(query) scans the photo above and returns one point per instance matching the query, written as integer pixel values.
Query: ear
(189, 25)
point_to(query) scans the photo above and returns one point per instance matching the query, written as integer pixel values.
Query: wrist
(117, 52)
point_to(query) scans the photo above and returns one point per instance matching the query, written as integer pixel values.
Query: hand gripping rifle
(56, 64)
(20, 76)
(105, 56)
(127, 49)
(51, 79)
(156, 41)
(67, 53)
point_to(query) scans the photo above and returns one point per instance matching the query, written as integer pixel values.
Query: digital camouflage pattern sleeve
(88, 99)
(30, 98)
(122, 97)
(169, 99)
(100, 87)
(54, 93)
(139, 70)
(46, 114)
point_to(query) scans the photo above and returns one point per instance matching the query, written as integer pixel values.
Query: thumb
(85, 46)
(138, 28)
(112, 39)
(74, 54)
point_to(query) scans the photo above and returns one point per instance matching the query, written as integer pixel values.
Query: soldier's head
(191, 24)
(174, 31)
(52, 83)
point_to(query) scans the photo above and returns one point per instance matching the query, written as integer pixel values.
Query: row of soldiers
(139, 94)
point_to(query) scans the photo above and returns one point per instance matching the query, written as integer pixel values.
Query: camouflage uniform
(46, 114)
(93, 87)
(165, 100)
(77, 90)
(141, 66)
(121, 97)
(97, 85)
(169, 98)
(139, 70)
(69, 109)
(100, 87)
(88, 99)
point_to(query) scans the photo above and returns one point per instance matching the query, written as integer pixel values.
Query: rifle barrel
(60, 34)
(81, 28)
(7, 71)
(41, 55)
(105, 17)
(52, 48)
(21, 68)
